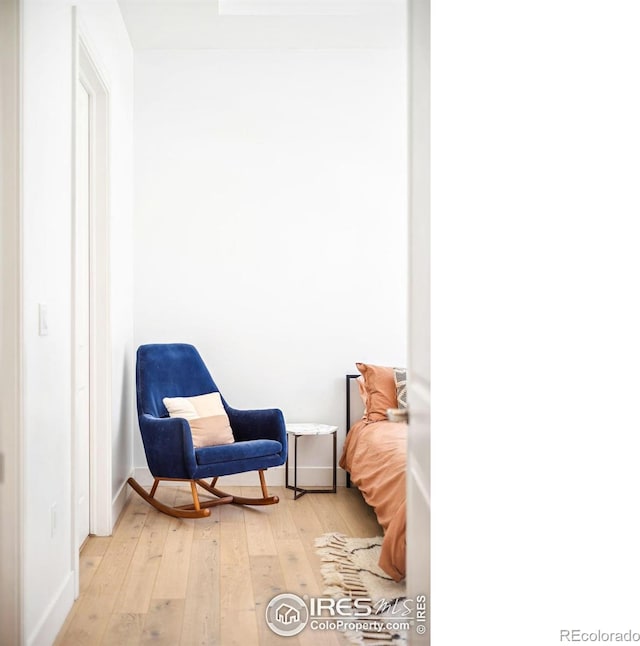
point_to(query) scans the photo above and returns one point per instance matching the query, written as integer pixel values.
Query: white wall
(270, 226)
(47, 75)
(10, 327)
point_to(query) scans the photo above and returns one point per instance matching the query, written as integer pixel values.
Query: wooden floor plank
(300, 579)
(309, 528)
(124, 629)
(96, 545)
(360, 518)
(183, 494)
(305, 518)
(260, 541)
(88, 567)
(205, 582)
(232, 513)
(201, 625)
(325, 508)
(173, 572)
(238, 616)
(282, 523)
(299, 576)
(141, 576)
(268, 581)
(90, 559)
(130, 524)
(95, 606)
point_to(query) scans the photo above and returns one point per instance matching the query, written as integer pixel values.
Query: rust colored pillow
(206, 416)
(362, 389)
(380, 388)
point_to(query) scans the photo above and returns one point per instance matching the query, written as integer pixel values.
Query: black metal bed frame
(348, 411)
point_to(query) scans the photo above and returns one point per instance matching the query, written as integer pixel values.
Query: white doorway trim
(87, 70)
(11, 334)
(419, 364)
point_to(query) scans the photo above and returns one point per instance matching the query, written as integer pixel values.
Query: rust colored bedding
(375, 454)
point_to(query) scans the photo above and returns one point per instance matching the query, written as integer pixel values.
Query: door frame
(11, 326)
(88, 71)
(419, 364)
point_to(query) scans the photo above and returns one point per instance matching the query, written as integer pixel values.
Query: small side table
(300, 430)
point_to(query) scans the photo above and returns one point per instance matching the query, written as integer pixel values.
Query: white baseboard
(49, 626)
(307, 477)
(119, 501)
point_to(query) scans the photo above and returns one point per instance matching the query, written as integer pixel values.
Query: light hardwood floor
(163, 580)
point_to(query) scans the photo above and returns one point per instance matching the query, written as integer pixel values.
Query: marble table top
(311, 429)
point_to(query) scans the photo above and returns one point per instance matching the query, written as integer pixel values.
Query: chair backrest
(169, 370)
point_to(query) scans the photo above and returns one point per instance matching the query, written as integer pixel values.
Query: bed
(375, 457)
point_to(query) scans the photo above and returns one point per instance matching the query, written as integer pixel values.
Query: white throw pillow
(207, 418)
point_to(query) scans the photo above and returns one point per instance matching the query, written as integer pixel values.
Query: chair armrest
(168, 446)
(262, 424)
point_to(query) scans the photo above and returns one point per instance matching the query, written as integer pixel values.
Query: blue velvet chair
(177, 370)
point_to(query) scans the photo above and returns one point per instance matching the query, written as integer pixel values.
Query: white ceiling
(264, 24)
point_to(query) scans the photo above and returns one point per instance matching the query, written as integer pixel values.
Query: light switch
(43, 321)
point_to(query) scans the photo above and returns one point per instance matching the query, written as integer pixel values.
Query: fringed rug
(350, 569)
